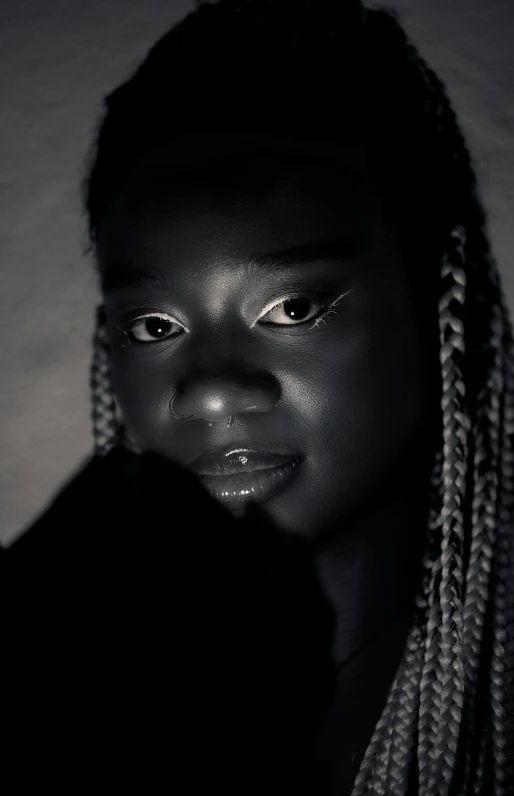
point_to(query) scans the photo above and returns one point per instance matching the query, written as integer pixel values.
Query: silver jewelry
(179, 417)
(189, 417)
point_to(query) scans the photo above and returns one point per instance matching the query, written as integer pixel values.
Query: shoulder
(56, 572)
(76, 513)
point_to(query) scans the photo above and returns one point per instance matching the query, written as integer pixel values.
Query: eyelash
(126, 329)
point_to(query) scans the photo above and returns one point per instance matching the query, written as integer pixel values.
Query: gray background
(58, 58)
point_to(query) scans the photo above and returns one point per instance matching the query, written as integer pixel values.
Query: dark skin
(350, 394)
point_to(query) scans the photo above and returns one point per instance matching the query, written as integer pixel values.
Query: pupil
(295, 312)
(156, 327)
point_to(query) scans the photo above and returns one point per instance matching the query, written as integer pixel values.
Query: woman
(304, 347)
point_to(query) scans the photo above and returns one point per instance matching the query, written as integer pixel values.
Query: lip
(236, 475)
(237, 490)
(232, 460)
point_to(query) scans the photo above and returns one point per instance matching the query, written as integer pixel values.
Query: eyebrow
(324, 251)
(119, 277)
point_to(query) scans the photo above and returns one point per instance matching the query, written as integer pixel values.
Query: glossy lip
(231, 461)
(237, 490)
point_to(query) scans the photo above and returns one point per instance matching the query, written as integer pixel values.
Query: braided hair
(447, 727)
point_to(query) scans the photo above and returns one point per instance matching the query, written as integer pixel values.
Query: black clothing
(150, 638)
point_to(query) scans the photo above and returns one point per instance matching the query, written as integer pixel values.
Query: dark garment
(151, 639)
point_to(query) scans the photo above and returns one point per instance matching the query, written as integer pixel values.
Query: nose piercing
(179, 417)
(189, 417)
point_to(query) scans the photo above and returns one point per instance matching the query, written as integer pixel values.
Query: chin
(238, 513)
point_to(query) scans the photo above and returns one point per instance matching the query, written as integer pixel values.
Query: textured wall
(57, 60)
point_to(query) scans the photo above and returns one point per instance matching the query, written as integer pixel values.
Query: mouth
(239, 476)
(235, 491)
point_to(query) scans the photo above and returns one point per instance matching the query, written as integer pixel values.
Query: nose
(217, 398)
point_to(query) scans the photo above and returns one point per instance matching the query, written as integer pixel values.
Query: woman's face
(256, 278)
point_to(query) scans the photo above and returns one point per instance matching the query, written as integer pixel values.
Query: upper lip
(234, 459)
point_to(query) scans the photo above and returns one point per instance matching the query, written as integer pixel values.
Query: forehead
(262, 190)
(196, 152)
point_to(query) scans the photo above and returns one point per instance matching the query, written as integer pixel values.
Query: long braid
(447, 724)
(394, 742)
(503, 651)
(386, 762)
(448, 703)
(487, 446)
(405, 727)
(480, 548)
(459, 689)
(436, 685)
(495, 759)
(405, 735)
(430, 683)
(483, 522)
(109, 429)
(503, 574)
(106, 428)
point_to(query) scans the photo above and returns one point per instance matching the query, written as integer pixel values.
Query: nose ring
(179, 417)
(189, 417)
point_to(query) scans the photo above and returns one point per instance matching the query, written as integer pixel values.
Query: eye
(150, 329)
(298, 308)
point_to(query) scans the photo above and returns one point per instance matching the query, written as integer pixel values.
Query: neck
(370, 568)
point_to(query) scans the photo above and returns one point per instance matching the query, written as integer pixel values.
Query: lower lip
(236, 491)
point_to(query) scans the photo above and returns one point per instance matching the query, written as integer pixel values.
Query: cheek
(142, 392)
(370, 409)
(360, 408)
